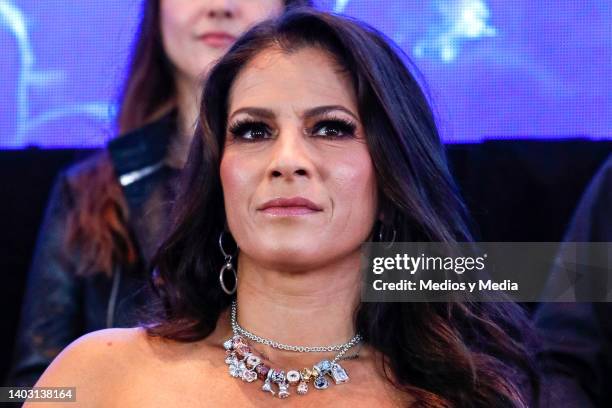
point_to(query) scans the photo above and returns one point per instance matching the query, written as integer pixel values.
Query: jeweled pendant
(293, 377)
(262, 371)
(252, 361)
(249, 375)
(323, 367)
(237, 340)
(242, 351)
(228, 345)
(321, 383)
(283, 390)
(278, 376)
(267, 386)
(235, 371)
(307, 374)
(231, 359)
(302, 388)
(339, 374)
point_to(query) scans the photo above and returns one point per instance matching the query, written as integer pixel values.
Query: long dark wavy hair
(442, 354)
(98, 225)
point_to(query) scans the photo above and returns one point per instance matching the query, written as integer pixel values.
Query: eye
(334, 129)
(250, 130)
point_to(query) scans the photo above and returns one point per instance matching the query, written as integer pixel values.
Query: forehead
(298, 80)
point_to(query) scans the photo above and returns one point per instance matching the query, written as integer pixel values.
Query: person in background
(106, 214)
(576, 353)
(314, 137)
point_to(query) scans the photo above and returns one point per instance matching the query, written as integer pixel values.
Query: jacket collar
(140, 154)
(141, 149)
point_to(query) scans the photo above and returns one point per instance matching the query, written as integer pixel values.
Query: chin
(294, 250)
(291, 255)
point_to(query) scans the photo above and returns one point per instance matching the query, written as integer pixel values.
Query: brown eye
(334, 129)
(250, 130)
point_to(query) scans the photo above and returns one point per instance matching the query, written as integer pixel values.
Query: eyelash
(346, 127)
(239, 128)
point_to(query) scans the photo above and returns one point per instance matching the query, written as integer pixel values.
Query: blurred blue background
(495, 69)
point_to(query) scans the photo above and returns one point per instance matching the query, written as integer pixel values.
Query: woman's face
(195, 33)
(297, 176)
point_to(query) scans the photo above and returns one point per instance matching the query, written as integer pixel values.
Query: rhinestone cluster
(244, 364)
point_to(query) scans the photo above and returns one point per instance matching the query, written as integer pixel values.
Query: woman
(106, 214)
(314, 137)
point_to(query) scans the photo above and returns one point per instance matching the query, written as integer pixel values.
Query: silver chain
(346, 348)
(342, 348)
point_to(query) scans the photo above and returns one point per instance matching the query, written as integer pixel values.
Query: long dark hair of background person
(444, 354)
(99, 228)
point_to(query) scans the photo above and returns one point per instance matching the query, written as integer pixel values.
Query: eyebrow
(310, 113)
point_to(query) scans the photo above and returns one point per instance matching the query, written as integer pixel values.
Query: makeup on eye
(330, 127)
(255, 129)
(335, 128)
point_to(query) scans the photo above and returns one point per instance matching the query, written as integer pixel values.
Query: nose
(221, 8)
(291, 158)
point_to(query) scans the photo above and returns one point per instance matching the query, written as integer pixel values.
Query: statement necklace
(249, 367)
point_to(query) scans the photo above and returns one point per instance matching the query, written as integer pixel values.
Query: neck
(188, 102)
(307, 308)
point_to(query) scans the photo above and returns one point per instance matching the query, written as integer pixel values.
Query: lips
(289, 206)
(217, 39)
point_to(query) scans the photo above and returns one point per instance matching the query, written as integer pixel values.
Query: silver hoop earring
(227, 267)
(381, 235)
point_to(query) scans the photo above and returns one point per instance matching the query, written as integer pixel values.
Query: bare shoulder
(95, 363)
(97, 353)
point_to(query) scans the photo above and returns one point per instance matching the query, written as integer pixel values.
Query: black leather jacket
(60, 306)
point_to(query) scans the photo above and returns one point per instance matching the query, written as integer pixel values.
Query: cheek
(257, 11)
(175, 28)
(355, 185)
(237, 183)
(171, 19)
(231, 181)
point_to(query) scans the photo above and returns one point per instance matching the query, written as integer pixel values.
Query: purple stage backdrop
(494, 68)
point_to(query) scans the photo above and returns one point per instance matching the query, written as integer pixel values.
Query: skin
(291, 269)
(298, 275)
(183, 22)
